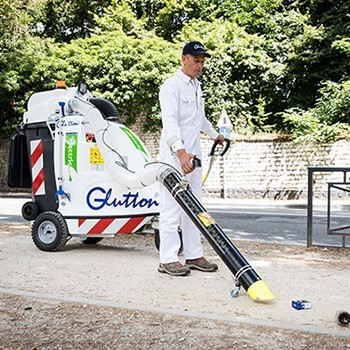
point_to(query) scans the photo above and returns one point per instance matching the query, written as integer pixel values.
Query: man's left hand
(221, 139)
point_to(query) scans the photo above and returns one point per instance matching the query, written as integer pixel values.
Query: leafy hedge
(276, 66)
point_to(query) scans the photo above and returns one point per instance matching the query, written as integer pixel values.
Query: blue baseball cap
(195, 48)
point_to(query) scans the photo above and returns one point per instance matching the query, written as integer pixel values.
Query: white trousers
(171, 216)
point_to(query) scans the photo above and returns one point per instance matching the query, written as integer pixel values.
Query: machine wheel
(91, 240)
(157, 239)
(30, 211)
(50, 231)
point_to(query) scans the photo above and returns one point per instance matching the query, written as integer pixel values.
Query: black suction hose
(234, 260)
(107, 108)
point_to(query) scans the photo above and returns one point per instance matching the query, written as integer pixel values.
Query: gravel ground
(35, 322)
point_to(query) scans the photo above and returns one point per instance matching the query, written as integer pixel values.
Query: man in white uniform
(183, 118)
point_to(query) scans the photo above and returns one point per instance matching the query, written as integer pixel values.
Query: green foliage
(277, 65)
(66, 20)
(317, 55)
(252, 14)
(301, 124)
(327, 121)
(120, 16)
(246, 74)
(126, 70)
(342, 46)
(167, 17)
(334, 105)
(15, 58)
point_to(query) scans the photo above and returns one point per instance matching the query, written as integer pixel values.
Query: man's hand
(185, 160)
(221, 139)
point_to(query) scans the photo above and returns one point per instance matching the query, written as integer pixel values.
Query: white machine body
(102, 185)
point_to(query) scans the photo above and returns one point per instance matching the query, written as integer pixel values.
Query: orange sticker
(206, 219)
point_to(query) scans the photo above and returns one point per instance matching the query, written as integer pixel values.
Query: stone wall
(4, 157)
(275, 170)
(266, 169)
(250, 169)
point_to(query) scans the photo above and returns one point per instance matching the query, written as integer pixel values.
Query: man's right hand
(185, 160)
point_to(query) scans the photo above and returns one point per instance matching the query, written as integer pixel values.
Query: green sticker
(134, 140)
(71, 151)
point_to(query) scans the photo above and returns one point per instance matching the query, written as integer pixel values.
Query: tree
(66, 20)
(121, 62)
(329, 120)
(270, 58)
(167, 17)
(317, 58)
(14, 61)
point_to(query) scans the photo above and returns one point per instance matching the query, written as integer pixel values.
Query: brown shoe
(174, 269)
(201, 264)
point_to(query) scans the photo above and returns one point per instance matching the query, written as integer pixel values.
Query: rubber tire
(30, 211)
(91, 240)
(157, 239)
(50, 231)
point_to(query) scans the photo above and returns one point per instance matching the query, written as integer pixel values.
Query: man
(183, 118)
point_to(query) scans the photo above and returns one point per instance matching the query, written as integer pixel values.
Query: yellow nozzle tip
(259, 291)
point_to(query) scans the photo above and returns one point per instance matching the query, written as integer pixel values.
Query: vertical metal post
(309, 207)
(329, 209)
(343, 237)
(224, 175)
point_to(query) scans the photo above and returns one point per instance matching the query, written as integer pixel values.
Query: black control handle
(226, 147)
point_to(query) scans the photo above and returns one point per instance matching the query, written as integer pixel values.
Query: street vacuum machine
(91, 177)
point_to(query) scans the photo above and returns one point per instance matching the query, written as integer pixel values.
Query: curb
(237, 202)
(15, 195)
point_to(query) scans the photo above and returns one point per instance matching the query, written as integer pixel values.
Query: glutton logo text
(98, 198)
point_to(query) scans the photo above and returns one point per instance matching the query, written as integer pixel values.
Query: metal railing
(337, 185)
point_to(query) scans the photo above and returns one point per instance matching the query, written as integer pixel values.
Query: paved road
(278, 222)
(258, 220)
(10, 209)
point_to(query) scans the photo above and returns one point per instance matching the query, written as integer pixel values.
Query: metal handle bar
(227, 146)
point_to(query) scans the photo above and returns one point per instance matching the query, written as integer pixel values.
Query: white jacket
(183, 116)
